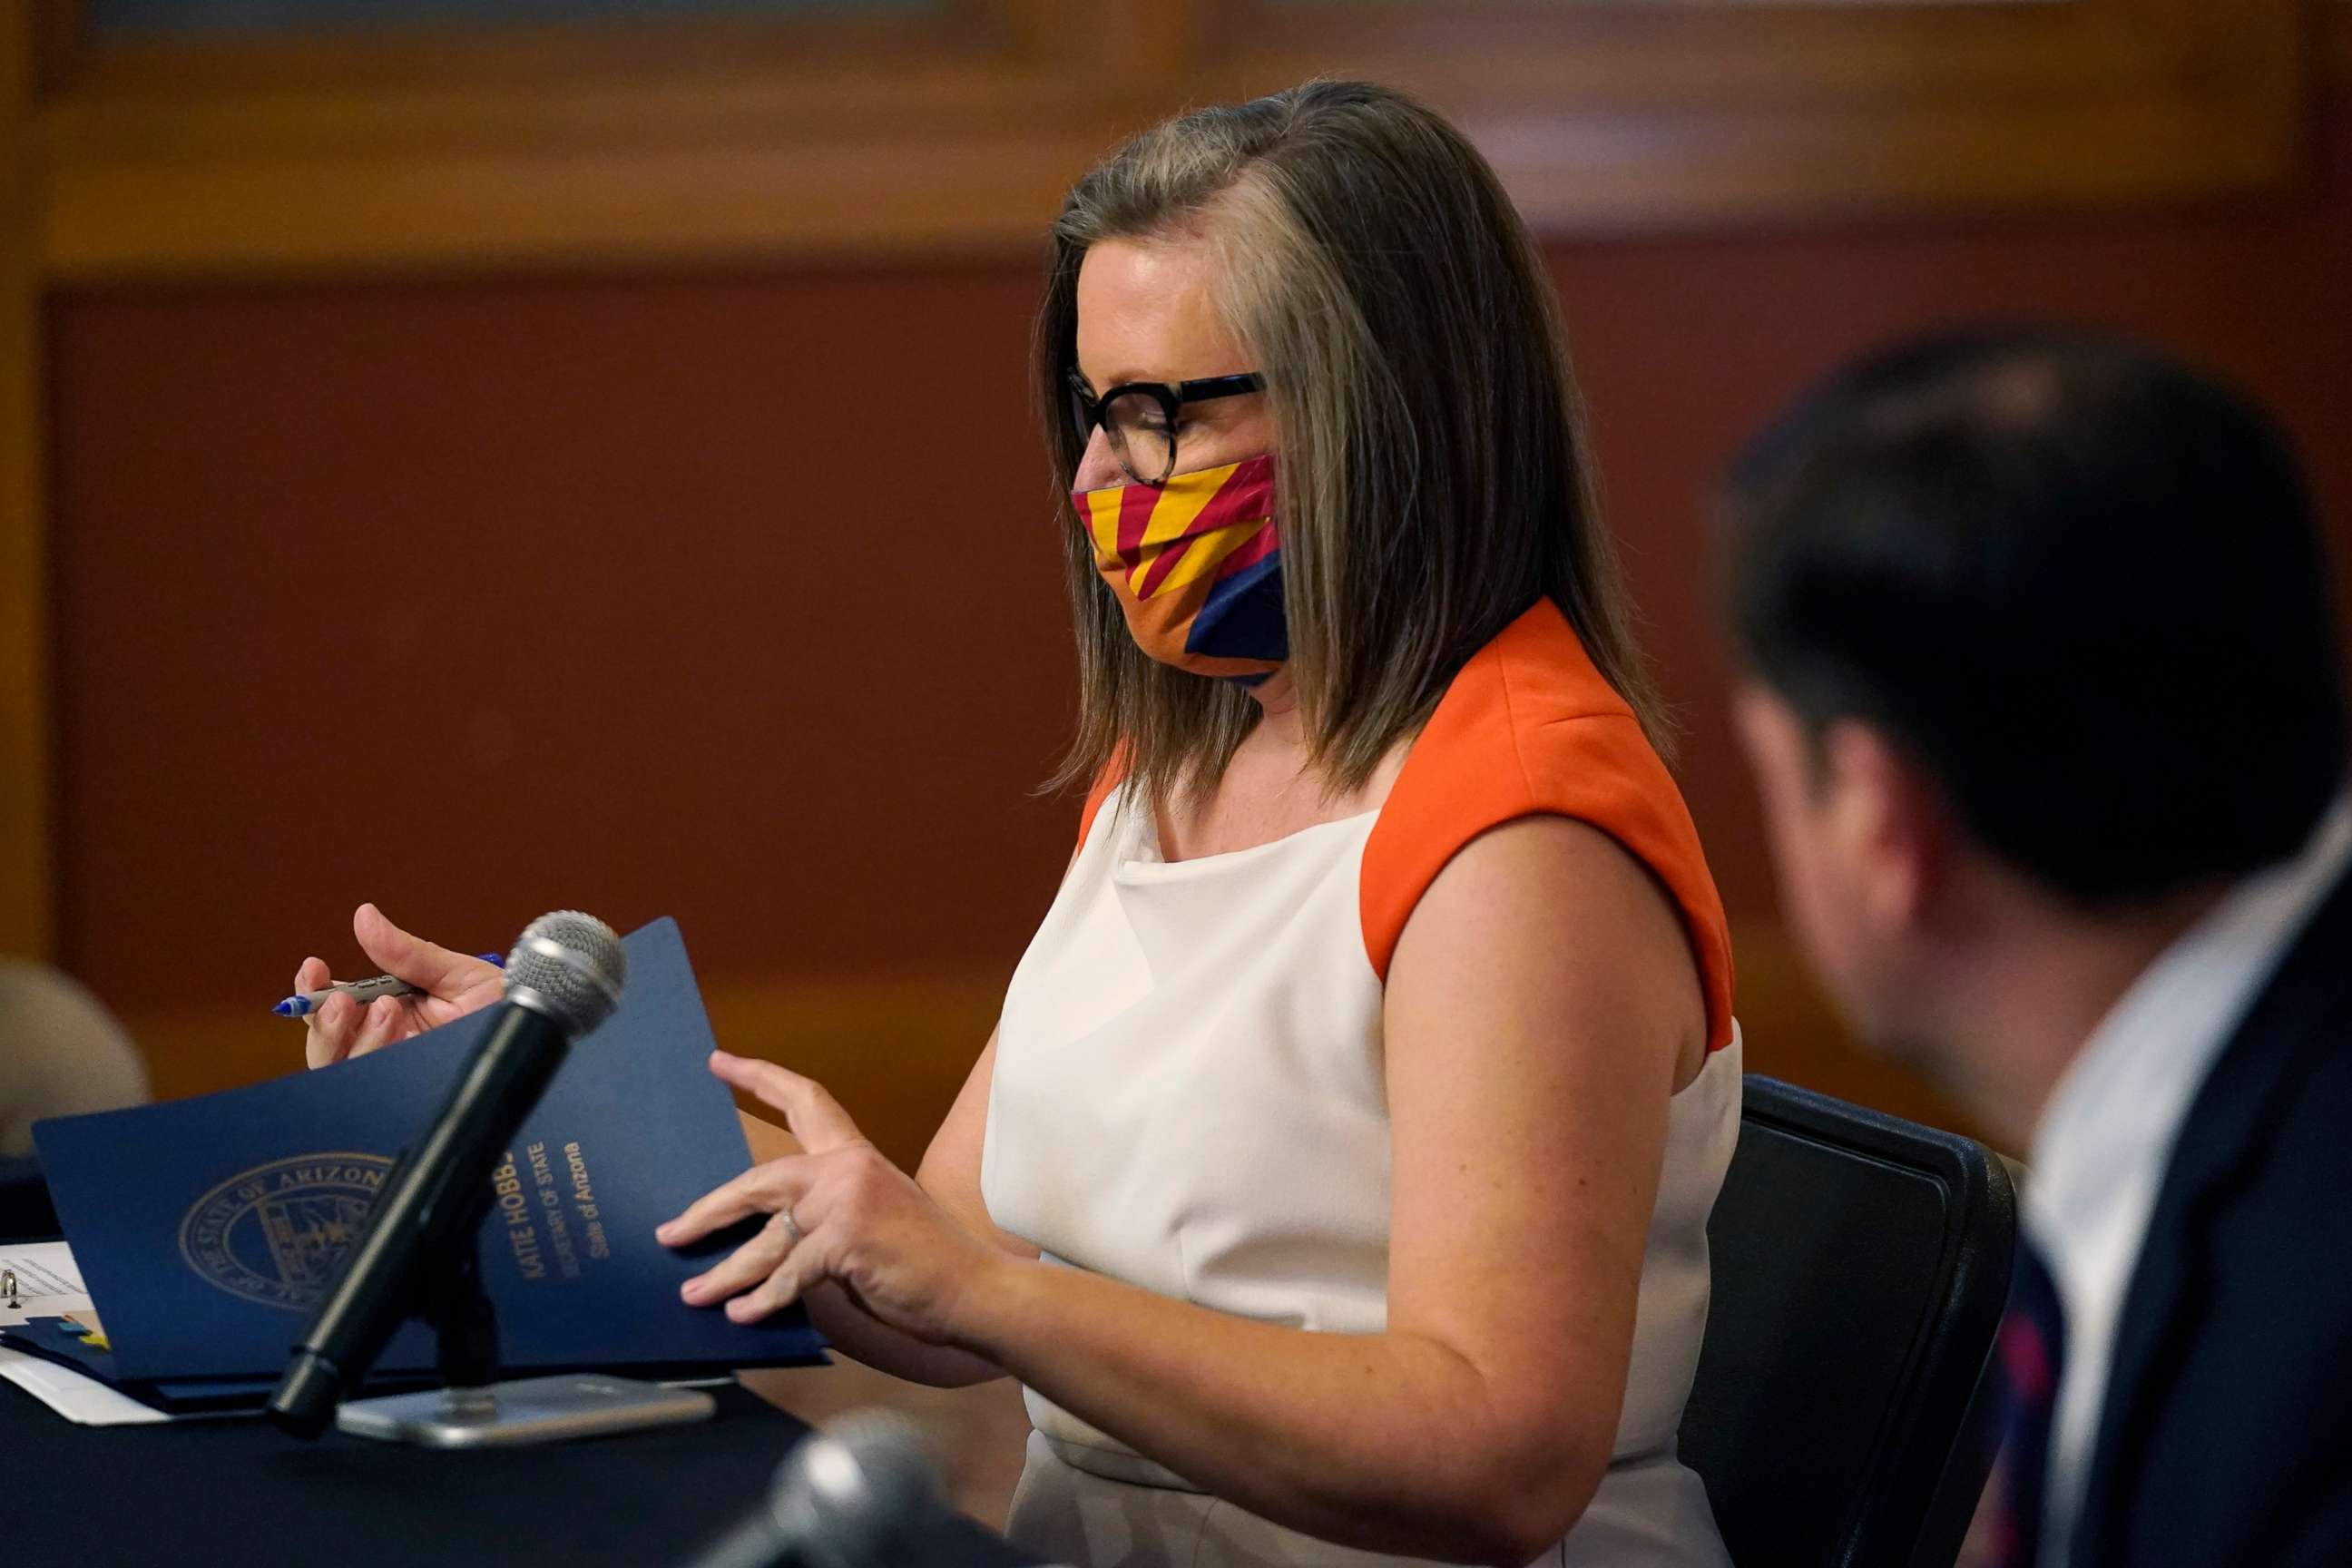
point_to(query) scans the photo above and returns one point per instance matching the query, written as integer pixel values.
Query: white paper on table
(48, 1281)
(82, 1400)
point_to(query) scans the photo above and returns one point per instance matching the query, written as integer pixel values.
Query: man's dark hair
(2081, 584)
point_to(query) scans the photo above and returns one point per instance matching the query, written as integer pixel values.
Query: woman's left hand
(842, 1212)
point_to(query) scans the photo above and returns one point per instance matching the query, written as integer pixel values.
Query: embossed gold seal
(275, 1234)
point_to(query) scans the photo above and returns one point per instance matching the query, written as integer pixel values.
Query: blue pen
(302, 1003)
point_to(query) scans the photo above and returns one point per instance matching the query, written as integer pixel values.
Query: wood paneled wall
(495, 535)
(526, 151)
(731, 595)
(25, 877)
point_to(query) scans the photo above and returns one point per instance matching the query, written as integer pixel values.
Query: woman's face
(1145, 313)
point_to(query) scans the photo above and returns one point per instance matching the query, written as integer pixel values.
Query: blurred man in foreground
(2046, 708)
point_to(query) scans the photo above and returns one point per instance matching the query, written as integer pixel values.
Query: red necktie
(2031, 1351)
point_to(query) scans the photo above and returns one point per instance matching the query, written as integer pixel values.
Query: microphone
(562, 980)
(861, 1494)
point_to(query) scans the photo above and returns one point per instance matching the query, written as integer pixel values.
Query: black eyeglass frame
(1170, 397)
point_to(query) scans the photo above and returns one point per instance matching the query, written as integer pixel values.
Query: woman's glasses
(1139, 416)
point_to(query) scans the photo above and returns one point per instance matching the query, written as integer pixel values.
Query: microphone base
(526, 1410)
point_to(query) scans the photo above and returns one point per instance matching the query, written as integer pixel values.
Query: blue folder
(209, 1229)
(59, 1341)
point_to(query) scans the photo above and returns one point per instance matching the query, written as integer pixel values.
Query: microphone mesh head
(574, 963)
(861, 1493)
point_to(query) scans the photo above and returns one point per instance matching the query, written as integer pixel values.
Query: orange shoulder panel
(1113, 774)
(1530, 728)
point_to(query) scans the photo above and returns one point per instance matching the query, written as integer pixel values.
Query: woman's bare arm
(1541, 1006)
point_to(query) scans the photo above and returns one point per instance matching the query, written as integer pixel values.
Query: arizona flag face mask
(1196, 567)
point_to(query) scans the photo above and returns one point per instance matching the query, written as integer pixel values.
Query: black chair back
(1861, 1267)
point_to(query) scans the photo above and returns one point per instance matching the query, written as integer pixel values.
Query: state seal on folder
(275, 1234)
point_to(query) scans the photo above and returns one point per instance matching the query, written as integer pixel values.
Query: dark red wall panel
(735, 597)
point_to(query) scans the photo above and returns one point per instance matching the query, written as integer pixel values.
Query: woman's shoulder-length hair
(1434, 481)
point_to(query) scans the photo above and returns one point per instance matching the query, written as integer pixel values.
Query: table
(238, 1491)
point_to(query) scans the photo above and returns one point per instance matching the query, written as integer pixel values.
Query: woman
(1336, 1180)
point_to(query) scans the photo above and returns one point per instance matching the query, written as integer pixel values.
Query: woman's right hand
(448, 985)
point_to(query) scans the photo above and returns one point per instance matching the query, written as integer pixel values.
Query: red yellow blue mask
(1196, 566)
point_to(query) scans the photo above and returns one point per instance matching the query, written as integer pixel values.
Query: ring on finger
(792, 1229)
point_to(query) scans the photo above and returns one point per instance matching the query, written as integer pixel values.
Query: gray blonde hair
(1433, 482)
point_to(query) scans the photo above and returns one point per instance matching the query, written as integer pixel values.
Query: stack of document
(208, 1231)
(47, 1285)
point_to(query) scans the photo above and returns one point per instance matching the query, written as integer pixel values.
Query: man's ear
(1888, 821)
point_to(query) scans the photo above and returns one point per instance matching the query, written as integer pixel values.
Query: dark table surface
(236, 1490)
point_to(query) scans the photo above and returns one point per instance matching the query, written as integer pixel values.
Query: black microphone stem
(430, 1216)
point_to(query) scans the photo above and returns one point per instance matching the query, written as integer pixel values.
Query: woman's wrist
(1000, 1300)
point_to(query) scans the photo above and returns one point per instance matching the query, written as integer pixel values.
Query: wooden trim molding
(24, 894)
(703, 142)
(726, 143)
(1631, 116)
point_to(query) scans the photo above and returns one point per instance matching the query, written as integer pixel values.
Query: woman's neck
(1278, 717)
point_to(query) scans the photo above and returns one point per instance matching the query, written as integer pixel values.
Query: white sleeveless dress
(1189, 1096)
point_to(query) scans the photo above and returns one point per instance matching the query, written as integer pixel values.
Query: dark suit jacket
(2226, 1439)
